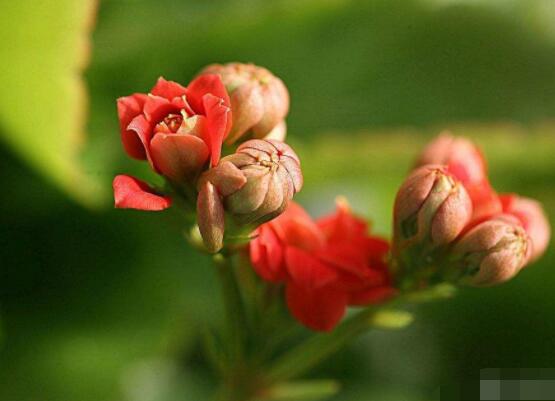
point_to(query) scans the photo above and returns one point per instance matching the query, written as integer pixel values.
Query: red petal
(370, 277)
(217, 114)
(202, 85)
(347, 256)
(306, 270)
(296, 228)
(130, 107)
(485, 201)
(156, 108)
(376, 249)
(267, 255)
(131, 193)
(371, 296)
(141, 129)
(342, 225)
(168, 89)
(178, 157)
(319, 309)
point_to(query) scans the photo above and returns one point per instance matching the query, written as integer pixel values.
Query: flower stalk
(237, 326)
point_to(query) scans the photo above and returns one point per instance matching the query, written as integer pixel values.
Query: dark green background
(104, 305)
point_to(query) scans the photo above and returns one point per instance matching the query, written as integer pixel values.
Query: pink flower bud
(253, 185)
(259, 100)
(532, 217)
(430, 205)
(463, 158)
(465, 161)
(494, 251)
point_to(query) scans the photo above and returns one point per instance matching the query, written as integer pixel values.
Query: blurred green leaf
(45, 46)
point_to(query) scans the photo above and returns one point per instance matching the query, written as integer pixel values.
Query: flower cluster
(219, 145)
(325, 265)
(180, 132)
(449, 223)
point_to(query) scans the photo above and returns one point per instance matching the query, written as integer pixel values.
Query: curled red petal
(216, 128)
(132, 193)
(130, 107)
(319, 309)
(202, 85)
(168, 89)
(141, 129)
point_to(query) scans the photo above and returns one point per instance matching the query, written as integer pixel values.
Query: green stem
(318, 347)
(234, 309)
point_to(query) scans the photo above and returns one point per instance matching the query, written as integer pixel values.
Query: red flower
(326, 264)
(176, 129)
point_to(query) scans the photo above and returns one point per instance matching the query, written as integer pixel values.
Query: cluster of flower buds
(180, 132)
(326, 265)
(449, 224)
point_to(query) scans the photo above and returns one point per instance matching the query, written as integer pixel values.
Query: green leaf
(43, 101)
(303, 390)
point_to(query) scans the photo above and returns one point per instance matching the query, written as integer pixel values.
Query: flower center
(173, 122)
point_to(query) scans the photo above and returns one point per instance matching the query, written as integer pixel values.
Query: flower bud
(464, 160)
(462, 157)
(253, 185)
(494, 251)
(532, 217)
(259, 100)
(430, 205)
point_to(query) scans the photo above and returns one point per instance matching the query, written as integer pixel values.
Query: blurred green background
(98, 304)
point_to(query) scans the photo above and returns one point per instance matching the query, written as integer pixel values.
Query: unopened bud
(464, 160)
(259, 100)
(531, 215)
(253, 185)
(494, 251)
(430, 205)
(461, 156)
